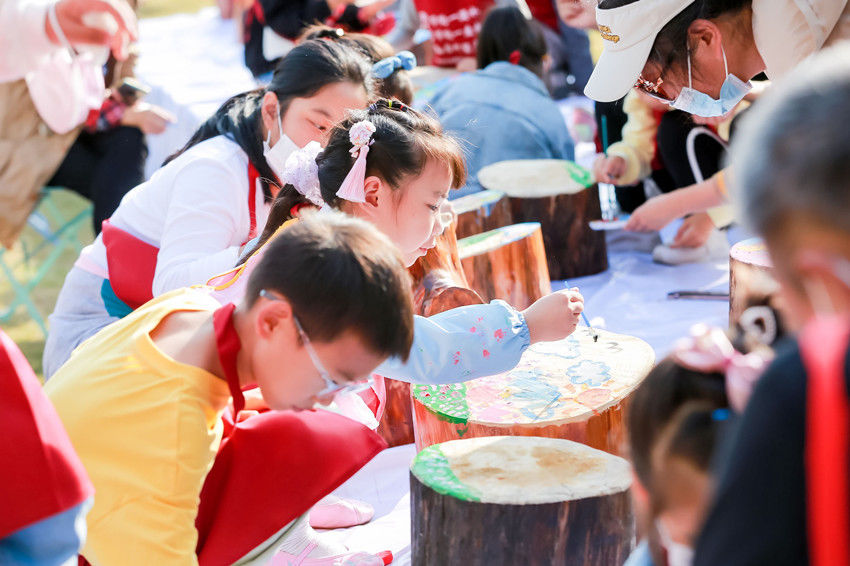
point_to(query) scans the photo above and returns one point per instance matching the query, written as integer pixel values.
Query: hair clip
(386, 67)
(352, 188)
(514, 57)
(388, 103)
(302, 172)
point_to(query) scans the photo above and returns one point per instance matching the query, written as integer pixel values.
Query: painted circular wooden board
(535, 178)
(487, 241)
(752, 252)
(476, 200)
(520, 470)
(554, 383)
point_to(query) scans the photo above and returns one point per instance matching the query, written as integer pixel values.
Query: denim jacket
(502, 112)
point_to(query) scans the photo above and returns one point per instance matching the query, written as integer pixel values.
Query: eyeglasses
(652, 89)
(331, 386)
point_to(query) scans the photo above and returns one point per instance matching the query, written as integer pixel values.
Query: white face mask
(277, 154)
(678, 554)
(698, 103)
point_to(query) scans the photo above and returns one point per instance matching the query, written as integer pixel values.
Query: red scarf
(271, 468)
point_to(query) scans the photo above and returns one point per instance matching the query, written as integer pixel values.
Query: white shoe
(715, 249)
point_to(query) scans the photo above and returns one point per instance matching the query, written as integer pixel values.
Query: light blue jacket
(502, 112)
(462, 344)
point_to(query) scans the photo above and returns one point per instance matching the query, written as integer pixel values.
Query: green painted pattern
(432, 468)
(447, 401)
(579, 174)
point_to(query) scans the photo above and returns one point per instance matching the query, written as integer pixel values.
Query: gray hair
(792, 152)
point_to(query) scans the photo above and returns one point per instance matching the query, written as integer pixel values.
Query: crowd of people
(262, 270)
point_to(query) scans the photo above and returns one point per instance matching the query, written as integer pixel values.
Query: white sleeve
(206, 214)
(23, 39)
(401, 37)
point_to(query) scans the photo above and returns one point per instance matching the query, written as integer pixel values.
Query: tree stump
(438, 285)
(508, 263)
(481, 212)
(575, 389)
(510, 501)
(751, 276)
(563, 198)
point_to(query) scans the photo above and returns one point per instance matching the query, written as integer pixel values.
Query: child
(400, 184)
(791, 186)
(522, 122)
(191, 219)
(141, 401)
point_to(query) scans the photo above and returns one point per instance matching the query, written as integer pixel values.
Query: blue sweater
(502, 112)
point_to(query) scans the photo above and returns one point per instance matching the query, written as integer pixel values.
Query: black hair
(397, 86)
(364, 284)
(403, 141)
(672, 44)
(667, 388)
(506, 30)
(304, 71)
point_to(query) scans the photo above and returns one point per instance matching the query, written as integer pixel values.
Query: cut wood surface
(575, 389)
(508, 263)
(750, 276)
(481, 212)
(519, 500)
(563, 198)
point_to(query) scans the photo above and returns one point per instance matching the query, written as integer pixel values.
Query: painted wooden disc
(518, 470)
(495, 239)
(554, 383)
(535, 178)
(752, 252)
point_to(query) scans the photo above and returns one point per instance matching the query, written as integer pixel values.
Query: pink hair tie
(709, 350)
(353, 186)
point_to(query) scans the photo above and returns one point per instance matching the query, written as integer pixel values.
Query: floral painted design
(588, 372)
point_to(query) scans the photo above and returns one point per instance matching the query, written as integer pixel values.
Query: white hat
(629, 33)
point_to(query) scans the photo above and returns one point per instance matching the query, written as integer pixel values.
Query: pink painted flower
(499, 335)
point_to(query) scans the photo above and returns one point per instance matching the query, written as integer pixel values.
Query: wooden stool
(481, 212)
(438, 285)
(750, 276)
(511, 500)
(507, 263)
(574, 389)
(563, 198)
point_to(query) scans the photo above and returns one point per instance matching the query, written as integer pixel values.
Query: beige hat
(629, 33)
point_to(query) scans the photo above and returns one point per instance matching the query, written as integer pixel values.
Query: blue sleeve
(462, 344)
(52, 541)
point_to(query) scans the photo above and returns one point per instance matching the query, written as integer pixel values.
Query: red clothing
(544, 12)
(42, 475)
(454, 27)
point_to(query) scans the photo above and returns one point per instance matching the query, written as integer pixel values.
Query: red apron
(272, 467)
(42, 475)
(132, 261)
(823, 345)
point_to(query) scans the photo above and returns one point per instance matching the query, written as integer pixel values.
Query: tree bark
(594, 528)
(508, 263)
(481, 212)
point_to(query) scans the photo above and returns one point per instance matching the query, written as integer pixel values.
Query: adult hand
(694, 232)
(147, 117)
(96, 22)
(607, 169)
(654, 214)
(554, 316)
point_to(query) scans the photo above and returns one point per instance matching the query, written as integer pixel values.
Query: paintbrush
(592, 331)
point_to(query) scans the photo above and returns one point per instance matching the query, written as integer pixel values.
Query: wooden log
(508, 263)
(438, 285)
(751, 277)
(481, 212)
(563, 198)
(508, 501)
(574, 389)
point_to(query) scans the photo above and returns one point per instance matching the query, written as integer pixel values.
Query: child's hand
(654, 214)
(555, 316)
(694, 232)
(609, 169)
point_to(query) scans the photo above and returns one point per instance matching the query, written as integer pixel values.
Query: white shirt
(195, 210)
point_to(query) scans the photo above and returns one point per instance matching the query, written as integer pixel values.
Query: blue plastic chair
(54, 232)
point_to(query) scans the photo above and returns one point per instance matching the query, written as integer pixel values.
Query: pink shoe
(349, 559)
(337, 513)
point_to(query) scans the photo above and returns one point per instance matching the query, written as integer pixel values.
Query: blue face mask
(700, 104)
